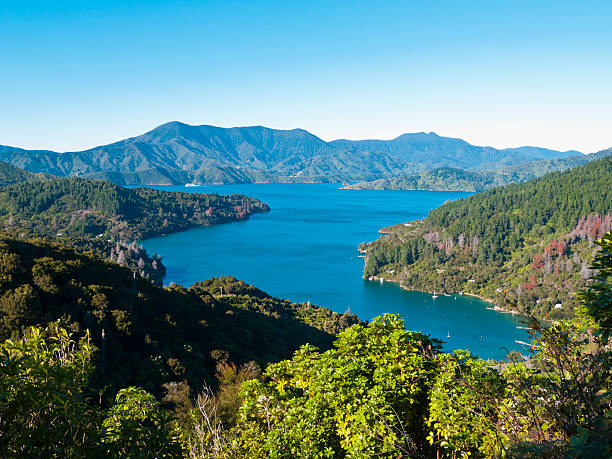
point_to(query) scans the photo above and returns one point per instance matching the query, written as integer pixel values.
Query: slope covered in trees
(79, 207)
(148, 335)
(379, 391)
(10, 175)
(529, 243)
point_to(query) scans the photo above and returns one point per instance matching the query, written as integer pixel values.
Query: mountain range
(177, 153)
(453, 179)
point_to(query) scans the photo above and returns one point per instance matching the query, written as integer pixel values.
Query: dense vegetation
(78, 207)
(528, 243)
(452, 179)
(10, 175)
(379, 391)
(99, 217)
(149, 335)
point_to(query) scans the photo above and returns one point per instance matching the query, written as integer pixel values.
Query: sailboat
(448, 334)
(434, 296)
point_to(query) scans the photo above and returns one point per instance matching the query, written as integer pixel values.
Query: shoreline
(409, 289)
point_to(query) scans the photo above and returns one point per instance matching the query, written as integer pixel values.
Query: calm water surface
(305, 249)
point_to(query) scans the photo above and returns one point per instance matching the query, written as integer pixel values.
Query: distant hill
(452, 179)
(176, 153)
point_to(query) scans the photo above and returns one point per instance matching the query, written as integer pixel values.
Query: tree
(597, 299)
(464, 406)
(137, 426)
(43, 398)
(365, 397)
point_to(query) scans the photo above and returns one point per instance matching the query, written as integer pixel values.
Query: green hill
(529, 243)
(148, 335)
(79, 207)
(10, 175)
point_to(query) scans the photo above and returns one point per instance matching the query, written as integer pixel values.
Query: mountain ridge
(181, 152)
(453, 179)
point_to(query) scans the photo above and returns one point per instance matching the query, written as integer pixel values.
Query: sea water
(305, 249)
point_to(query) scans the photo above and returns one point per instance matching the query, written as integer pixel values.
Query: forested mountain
(152, 335)
(79, 207)
(528, 243)
(451, 179)
(105, 219)
(179, 153)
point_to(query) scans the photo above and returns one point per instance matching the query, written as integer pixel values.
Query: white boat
(434, 296)
(191, 184)
(448, 335)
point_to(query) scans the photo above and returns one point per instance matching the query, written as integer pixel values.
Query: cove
(305, 249)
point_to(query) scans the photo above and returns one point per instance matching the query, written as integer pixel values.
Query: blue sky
(76, 74)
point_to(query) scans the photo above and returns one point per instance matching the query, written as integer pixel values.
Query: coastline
(410, 289)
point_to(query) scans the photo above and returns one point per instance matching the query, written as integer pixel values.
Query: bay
(305, 249)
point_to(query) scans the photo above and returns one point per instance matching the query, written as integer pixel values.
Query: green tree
(43, 404)
(597, 298)
(137, 426)
(365, 397)
(464, 406)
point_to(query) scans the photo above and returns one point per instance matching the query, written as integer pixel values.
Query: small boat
(382, 280)
(434, 296)
(191, 184)
(448, 335)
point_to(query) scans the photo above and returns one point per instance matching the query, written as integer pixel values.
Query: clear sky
(75, 74)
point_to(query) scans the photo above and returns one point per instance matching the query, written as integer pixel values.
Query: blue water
(305, 249)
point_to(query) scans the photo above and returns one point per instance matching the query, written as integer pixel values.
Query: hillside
(152, 335)
(10, 175)
(77, 207)
(528, 243)
(179, 153)
(451, 179)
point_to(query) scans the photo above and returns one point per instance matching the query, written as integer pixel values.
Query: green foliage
(366, 396)
(464, 401)
(445, 179)
(147, 335)
(381, 390)
(44, 409)
(137, 426)
(597, 298)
